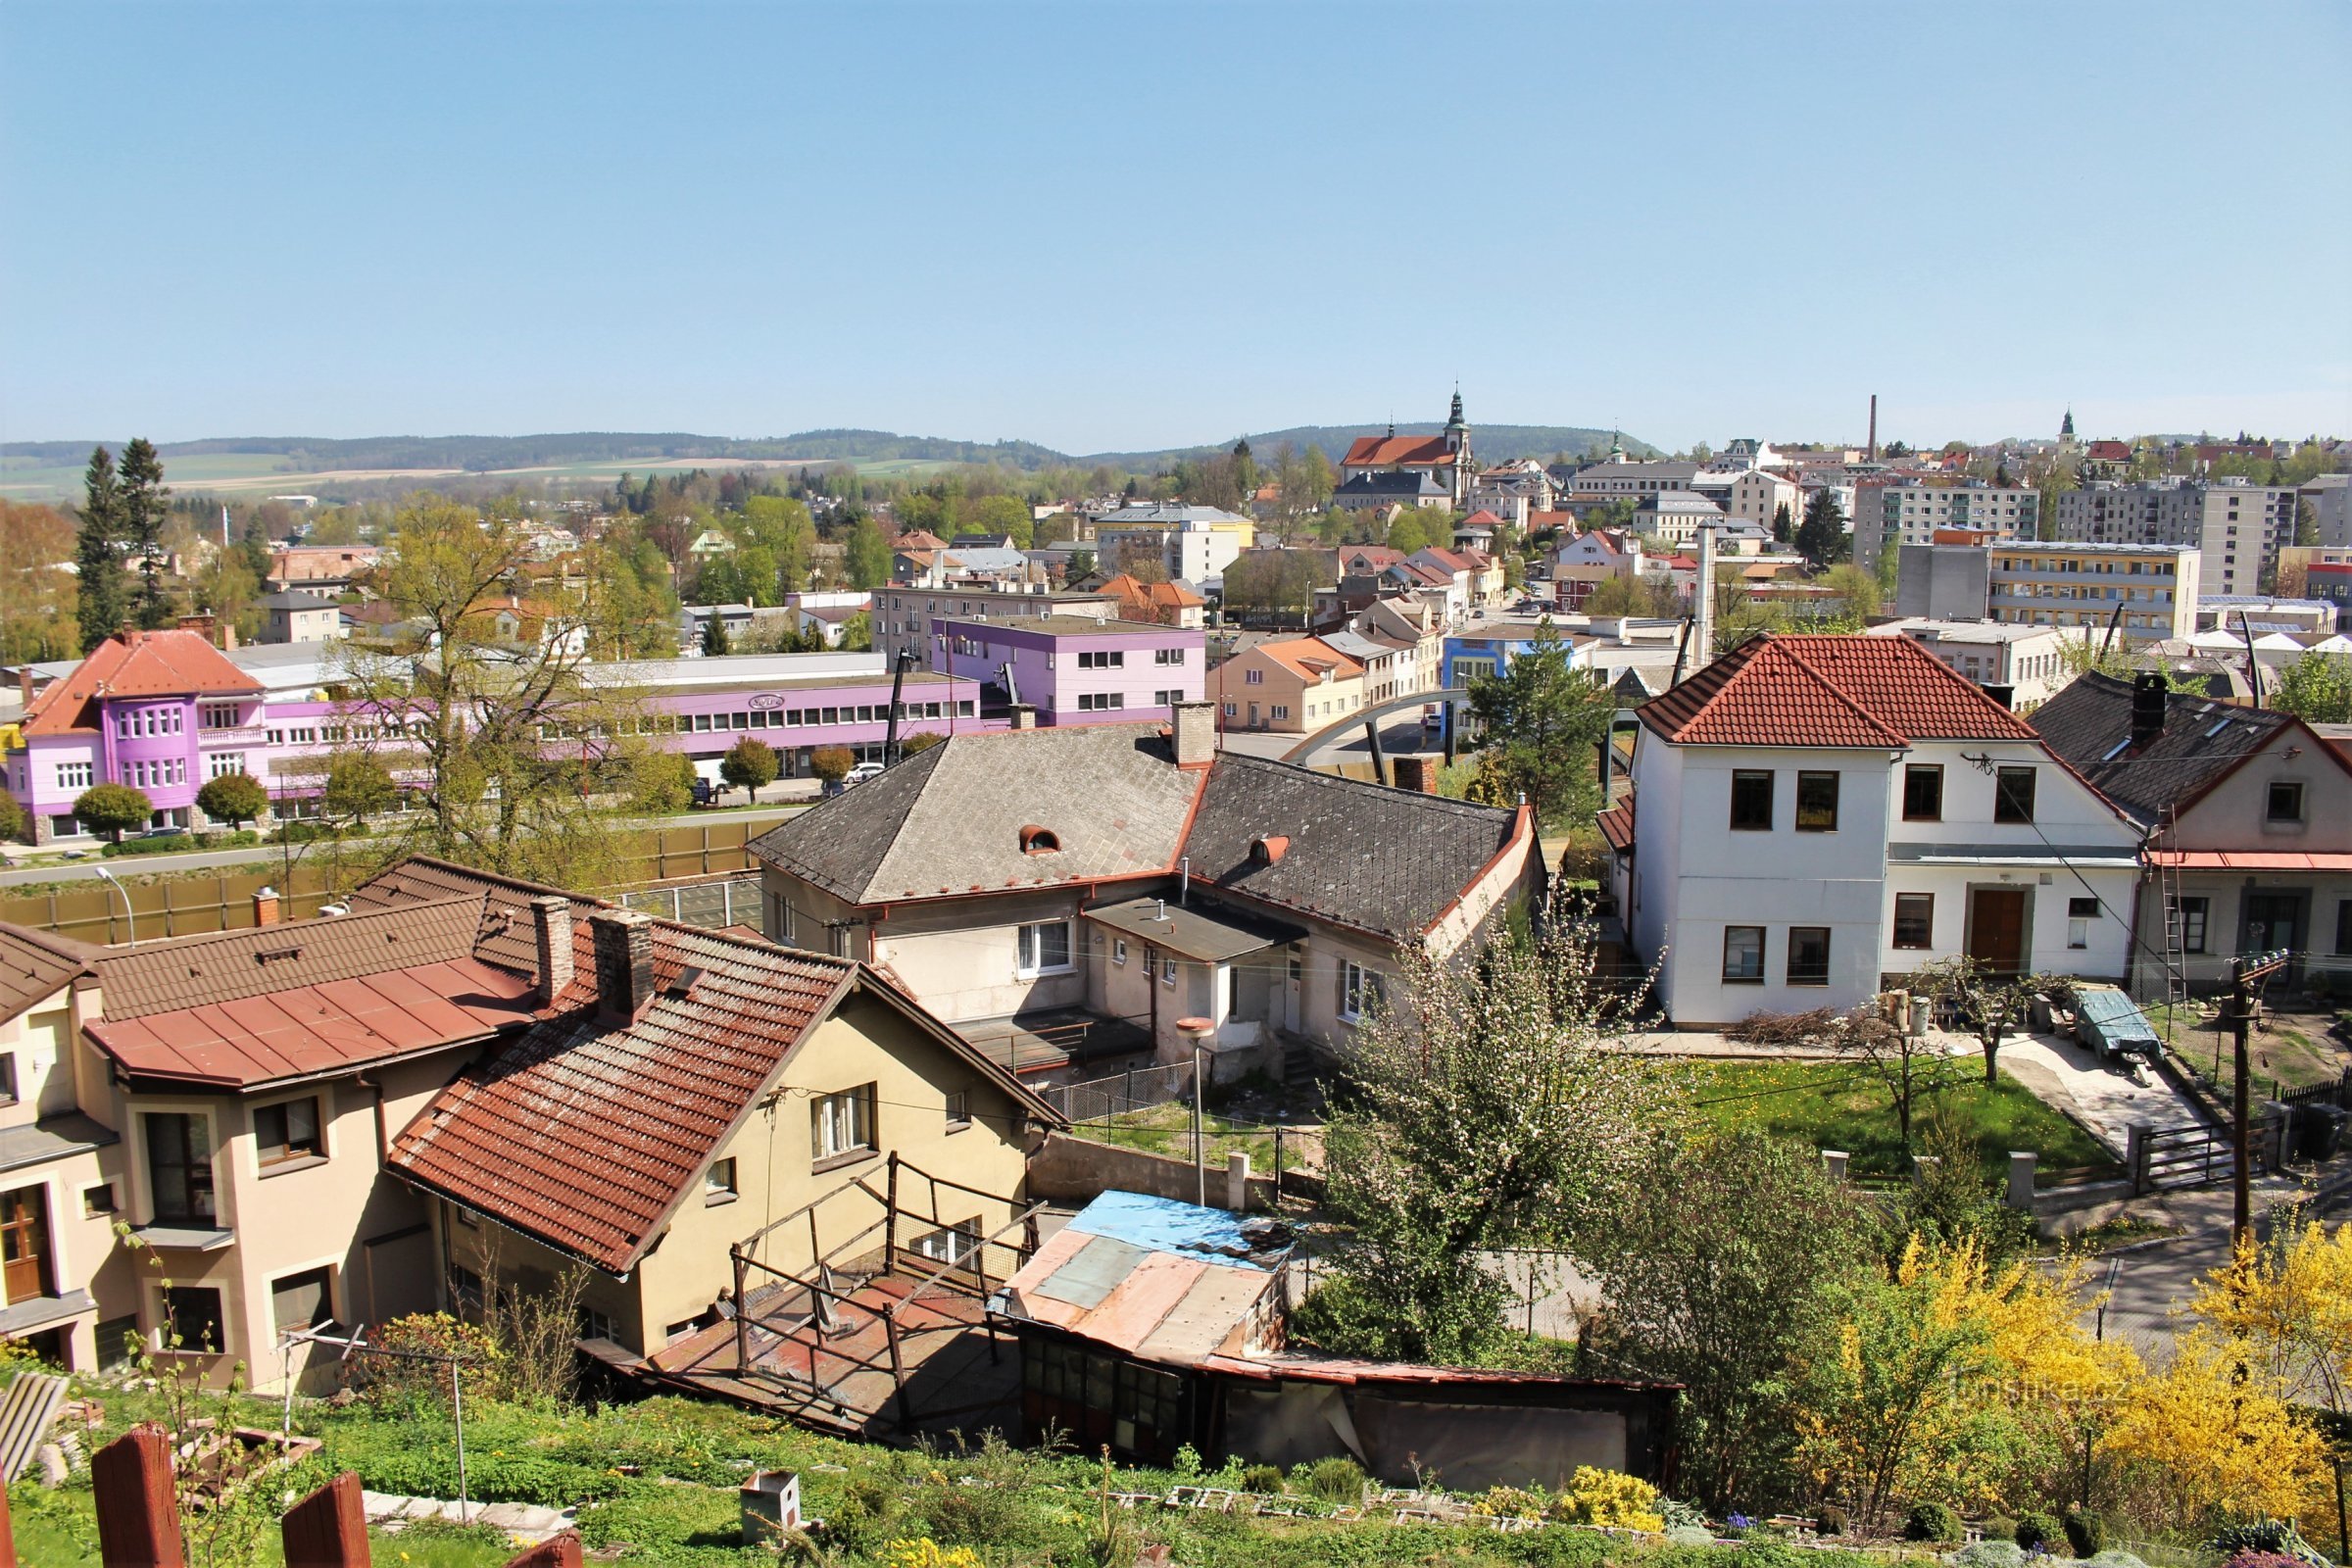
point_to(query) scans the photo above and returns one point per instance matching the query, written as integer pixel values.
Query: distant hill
(492, 454)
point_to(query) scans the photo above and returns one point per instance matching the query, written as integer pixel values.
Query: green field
(1832, 1104)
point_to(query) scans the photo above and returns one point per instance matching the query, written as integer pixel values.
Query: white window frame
(1118, 949)
(842, 1124)
(1029, 949)
(1357, 986)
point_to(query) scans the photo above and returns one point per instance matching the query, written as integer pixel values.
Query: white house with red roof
(1445, 457)
(1815, 816)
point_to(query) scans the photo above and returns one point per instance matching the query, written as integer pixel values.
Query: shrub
(749, 763)
(1595, 1497)
(1262, 1478)
(2085, 1533)
(922, 740)
(926, 1553)
(113, 809)
(1989, 1553)
(233, 798)
(2116, 1557)
(1933, 1521)
(2251, 1559)
(832, 763)
(2266, 1537)
(1690, 1536)
(1334, 1480)
(1830, 1520)
(2036, 1531)
(1510, 1503)
(399, 1382)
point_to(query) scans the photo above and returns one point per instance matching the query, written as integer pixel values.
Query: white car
(861, 773)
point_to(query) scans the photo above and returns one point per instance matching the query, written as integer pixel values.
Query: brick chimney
(550, 932)
(265, 907)
(1024, 715)
(1414, 773)
(624, 962)
(1193, 728)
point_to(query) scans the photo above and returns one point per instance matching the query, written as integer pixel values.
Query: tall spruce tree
(104, 594)
(142, 507)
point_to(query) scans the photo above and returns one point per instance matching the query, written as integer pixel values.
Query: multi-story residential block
(2237, 526)
(903, 615)
(1293, 687)
(1072, 669)
(1621, 477)
(1892, 514)
(300, 618)
(2157, 588)
(1759, 495)
(1677, 515)
(2329, 497)
(1815, 816)
(1193, 544)
(1077, 891)
(1445, 458)
(2020, 666)
(2248, 814)
(1943, 582)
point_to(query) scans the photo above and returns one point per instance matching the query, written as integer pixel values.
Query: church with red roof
(1445, 457)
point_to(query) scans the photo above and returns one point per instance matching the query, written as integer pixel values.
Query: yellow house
(684, 1091)
(1295, 686)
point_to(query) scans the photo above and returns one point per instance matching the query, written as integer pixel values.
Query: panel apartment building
(1887, 517)
(2236, 525)
(2039, 584)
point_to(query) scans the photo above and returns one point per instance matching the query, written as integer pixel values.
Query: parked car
(861, 773)
(703, 794)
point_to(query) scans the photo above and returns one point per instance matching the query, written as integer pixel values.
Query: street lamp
(129, 918)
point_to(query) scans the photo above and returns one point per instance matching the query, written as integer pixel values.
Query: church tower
(1458, 446)
(2066, 429)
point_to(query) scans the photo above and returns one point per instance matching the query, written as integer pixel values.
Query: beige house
(1062, 895)
(1413, 621)
(1295, 686)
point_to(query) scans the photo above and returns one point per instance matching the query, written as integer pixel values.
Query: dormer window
(1038, 841)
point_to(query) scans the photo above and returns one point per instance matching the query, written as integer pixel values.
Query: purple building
(165, 711)
(1071, 670)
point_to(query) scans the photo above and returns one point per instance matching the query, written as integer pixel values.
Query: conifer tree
(140, 528)
(104, 594)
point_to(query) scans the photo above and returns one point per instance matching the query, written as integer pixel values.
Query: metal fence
(724, 901)
(1101, 1099)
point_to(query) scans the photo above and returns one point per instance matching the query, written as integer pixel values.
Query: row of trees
(1834, 1346)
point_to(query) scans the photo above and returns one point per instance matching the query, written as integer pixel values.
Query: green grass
(1168, 1130)
(1832, 1105)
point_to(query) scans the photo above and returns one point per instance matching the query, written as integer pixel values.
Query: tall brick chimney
(1192, 727)
(550, 932)
(624, 962)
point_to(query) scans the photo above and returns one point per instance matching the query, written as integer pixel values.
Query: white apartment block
(2236, 525)
(2029, 661)
(2083, 585)
(1756, 495)
(1888, 516)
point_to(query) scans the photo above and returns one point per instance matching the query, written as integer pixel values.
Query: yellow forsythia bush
(1595, 1497)
(924, 1552)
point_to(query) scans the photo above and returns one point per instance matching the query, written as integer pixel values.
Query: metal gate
(2189, 1155)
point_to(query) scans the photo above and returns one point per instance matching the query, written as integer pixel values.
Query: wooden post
(743, 1327)
(890, 1218)
(557, 1551)
(2242, 1213)
(138, 1517)
(328, 1529)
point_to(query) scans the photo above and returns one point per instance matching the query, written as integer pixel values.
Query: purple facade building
(1073, 671)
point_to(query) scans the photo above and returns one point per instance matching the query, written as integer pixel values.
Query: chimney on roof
(265, 907)
(2148, 708)
(624, 962)
(1413, 774)
(1193, 726)
(1024, 715)
(551, 931)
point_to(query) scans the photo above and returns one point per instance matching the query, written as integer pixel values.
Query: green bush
(1262, 1478)
(1690, 1536)
(2085, 1533)
(1830, 1520)
(1989, 1553)
(2116, 1557)
(1931, 1521)
(1335, 1480)
(2036, 1531)
(2271, 1536)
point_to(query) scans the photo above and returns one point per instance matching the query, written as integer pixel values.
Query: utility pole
(2243, 972)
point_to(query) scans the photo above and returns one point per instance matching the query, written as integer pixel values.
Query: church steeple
(2066, 429)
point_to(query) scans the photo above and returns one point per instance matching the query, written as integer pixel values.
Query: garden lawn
(1168, 1130)
(1836, 1104)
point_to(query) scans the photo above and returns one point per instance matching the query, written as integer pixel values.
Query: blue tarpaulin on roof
(1164, 1225)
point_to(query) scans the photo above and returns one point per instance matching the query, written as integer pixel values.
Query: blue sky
(1115, 225)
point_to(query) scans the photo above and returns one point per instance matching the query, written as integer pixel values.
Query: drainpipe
(383, 1130)
(1184, 885)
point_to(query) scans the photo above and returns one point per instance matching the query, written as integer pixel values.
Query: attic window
(1269, 850)
(1037, 840)
(2217, 729)
(2116, 750)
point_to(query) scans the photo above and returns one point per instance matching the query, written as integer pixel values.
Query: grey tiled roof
(949, 820)
(1381, 859)
(2202, 739)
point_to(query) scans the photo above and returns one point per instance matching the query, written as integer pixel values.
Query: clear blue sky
(1113, 226)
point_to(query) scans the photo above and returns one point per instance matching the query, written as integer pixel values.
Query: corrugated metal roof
(229, 966)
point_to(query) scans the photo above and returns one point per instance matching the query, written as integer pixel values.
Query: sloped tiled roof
(504, 934)
(1301, 655)
(1829, 691)
(34, 964)
(2088, 723)
(948, 820)
(1385, 861)
(130, 664)
(1396, 451)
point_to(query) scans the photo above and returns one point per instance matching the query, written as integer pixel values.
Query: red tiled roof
(1617, 825)
(134, 663)
(2118, 452)
(1308, 656)
(35, 964)
(1398, 452)
(1482, 518)
(1811, 690)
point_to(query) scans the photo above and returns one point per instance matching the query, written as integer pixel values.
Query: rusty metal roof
(504, 936)
(230, 965)
(34, 965)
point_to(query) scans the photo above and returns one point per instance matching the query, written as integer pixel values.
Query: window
(2194, 915)
(222, 764)
(301, 1301)
(220, 716)
(98, 1200)
(287, 1131)
(1915, 919)
(1808, 954)
(1045, 947)
(1106, 660)
(1118, 949)
(596, 1325)
(1282, 710)
(2343, 926)
(1091, 700)
(192, 1319)
(1168, 972)
(1253, 677)
(959, 1109)
(1360, 990)
(952, 1244)
(719, 1182)
(1168, 698)
(115, 1347)
(2285, 803)
(1923, 793)
(2013, 795)
(2079, 913)
(1168, 655)
(1752, 801)
(179, 1168)
(844, 1122)
(1816, 802)
(8, 1078)
(1744, 954)
(74, 775)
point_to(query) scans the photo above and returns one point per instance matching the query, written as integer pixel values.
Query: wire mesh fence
(1138, 1089)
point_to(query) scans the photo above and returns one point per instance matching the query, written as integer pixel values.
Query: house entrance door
(1289, 993)
(25, 1244)
(1996, 928)
(2272, 920)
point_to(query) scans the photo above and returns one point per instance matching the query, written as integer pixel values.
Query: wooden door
(25, 1244)
(1997, 929)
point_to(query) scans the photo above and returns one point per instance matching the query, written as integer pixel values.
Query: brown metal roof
(33, 965)
(505, 934)
(231, 966)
